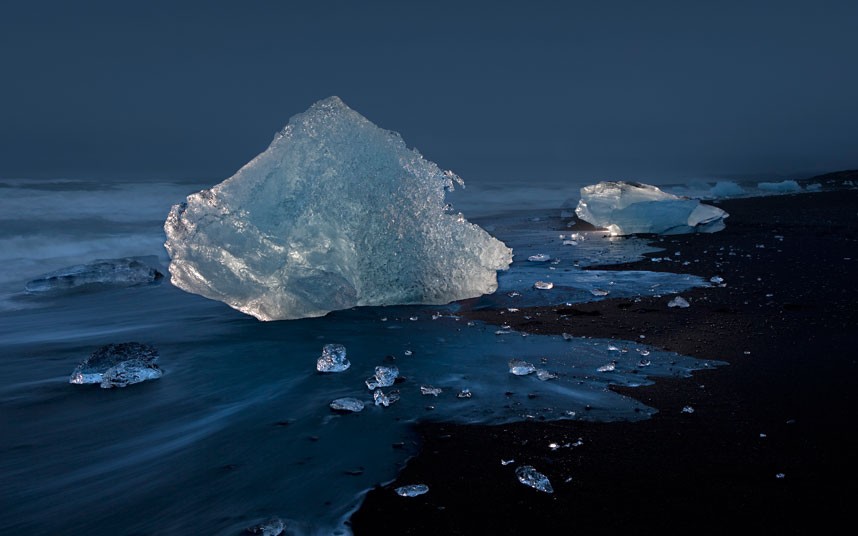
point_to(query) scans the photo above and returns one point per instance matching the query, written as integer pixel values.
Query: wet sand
(770, 445)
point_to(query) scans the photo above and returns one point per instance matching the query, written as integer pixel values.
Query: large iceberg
(625, 208)
(337, 212)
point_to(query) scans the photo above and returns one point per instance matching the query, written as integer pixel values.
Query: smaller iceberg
(783, 187)
(99, 273)
(625, 208)
(118, 365)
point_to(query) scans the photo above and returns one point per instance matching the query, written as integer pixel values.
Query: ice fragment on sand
(384, 377)
(529, 476)
(107, 358)
(599, 292)
(545, 375)
(429, 390)
(687, 409)
(336, 213)
(413, 490)
(610, 367)
(272, 527)
(679, 301)
(347, 404)
(543, 285)
(464, 393)
(333, 359)
(628, 207)
(99, 273)
(539, 257)
(385, 400)
(716, 279)
(521, 368)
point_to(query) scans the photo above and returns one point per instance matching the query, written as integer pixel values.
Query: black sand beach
(770, 446)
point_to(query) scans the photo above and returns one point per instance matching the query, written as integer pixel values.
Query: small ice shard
(783, 187)
(464, 393)
(599, 292)
(130, 372)
(545, 375)
(333, 359)
(687, 409)
(570, 242)
(106, 358)
(408, 353)
(336, 213)
(716, 279)
(384, 377)
(347, 404)
(412, 490)
(99, 273)
(272, 527)
(679, 301)
(610, 367)
(543, 285)
(529, 476)
(539, 257)
(625, 208)
(385, 400)
(507, 462)
(780, 475)
(521, 368)
(429, 390)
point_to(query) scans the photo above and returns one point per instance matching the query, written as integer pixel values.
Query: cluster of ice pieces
(336, 213)
(99, 273)
(625, 208)
(118, 365)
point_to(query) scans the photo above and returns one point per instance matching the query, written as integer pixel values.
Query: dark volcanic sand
(786, 323)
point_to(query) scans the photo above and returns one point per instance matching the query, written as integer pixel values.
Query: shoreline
(766, 439)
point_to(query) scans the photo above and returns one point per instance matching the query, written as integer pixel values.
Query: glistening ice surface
(335, 213)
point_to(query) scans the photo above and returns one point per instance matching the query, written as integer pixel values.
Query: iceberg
(336, 213)
(625, 208)
(99, 273)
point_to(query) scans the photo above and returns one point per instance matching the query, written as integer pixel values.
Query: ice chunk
(333, 359)
(628, 207)
(545, 375)
(726, 189)
(610, 367)
(687, 409)
(599, 292)
(783, 187)
(429, 390)
(465, 393)
(130, 372)
(347, 404)
(336, 213)
(105, 358)
(521, 368)
(272, 527)
(384, 377)
(539, 257)
(385, 400)
(679, 301)
(529, 476)
(543, 285)
(413, 490)
(99, 273)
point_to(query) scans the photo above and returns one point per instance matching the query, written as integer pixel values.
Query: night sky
(496, 91)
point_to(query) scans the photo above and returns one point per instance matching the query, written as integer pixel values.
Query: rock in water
(102, 272)
(337, 212)
(118, 365)
(625, 208)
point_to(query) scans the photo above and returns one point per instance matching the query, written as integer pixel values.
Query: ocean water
(238, 430)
